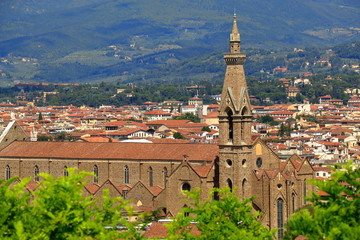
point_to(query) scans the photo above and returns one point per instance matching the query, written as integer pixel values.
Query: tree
(226, 218)
(60, 136)
(178, 135)
(206, 128)
(267, 119)
(335, 213)
(188, 116)
(45, 138)
(59, 210)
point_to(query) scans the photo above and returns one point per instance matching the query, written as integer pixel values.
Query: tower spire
(234, 38)
(235, 110)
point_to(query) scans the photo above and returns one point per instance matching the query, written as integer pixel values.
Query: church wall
(269, 159)
(57, 166)
(140, 193)
(117, 172)
(14, 168)
(113, 192)
(183, 174)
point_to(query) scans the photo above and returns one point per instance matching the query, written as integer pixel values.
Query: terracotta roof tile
(203, 171)
(129, 151)
(155, 190)
(92, 188)
(159, 230)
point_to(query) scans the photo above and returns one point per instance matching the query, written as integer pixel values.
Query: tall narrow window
(126, 174)
(165, 176)
(96, 174)
(231, 125)
(36, 174)
(66, 172)
(230, 185)
(293, 202)
(244, 186)
(242, 125)
(7, 172)
(151, 183)
(280, 218)
(304, 191)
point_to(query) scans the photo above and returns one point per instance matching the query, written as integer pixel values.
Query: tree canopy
(59, 210)
(335, 213)
(226, 218)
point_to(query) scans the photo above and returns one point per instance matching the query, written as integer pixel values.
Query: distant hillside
(87, 40)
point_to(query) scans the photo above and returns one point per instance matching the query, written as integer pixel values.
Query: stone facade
(154, 175)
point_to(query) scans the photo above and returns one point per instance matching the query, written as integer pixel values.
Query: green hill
(87, 40)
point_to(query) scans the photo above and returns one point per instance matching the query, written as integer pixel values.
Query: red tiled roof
(32, 185)
(155, 190)
(203, 171)
(128, 151)
(159, 230)
(92, 188)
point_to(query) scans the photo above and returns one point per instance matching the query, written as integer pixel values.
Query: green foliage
(178, 135)
(60, 136)
(207, 129)
(335, 215)
(188, 116)
(226, 218)
(44, 138)
(267, 119)
(59, 210)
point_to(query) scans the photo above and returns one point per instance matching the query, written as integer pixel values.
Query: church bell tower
(235, 118)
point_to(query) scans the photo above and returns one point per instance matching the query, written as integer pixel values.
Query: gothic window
(126, 174)
(165, 176)
(7, 172)
(304, 190)
(36, 174)
(229, 183)
(293, 202)
(151, 183)
(243, 186)
(186, 213)
(259, 162)
(66, 172)
(280, 218)
(96, 174)
(231, 125)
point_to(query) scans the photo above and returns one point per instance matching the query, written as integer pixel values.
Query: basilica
(153, 175)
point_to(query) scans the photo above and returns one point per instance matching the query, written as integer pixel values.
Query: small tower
(235, 117)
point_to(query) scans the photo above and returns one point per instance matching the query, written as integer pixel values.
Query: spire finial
(235, 36)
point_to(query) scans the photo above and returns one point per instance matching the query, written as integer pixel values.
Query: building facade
(154, 175)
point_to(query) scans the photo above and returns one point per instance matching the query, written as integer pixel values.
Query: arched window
(280, 218)
(231, 125)
(293, 201)
(7, 172)
(165, 176)
(96, 174)
(259, 162)
(229, 183)
(36, 174)
(243, 186)
(151, 183)
(186, 187)
(304, 191)
(126, 175)
(66, 172)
